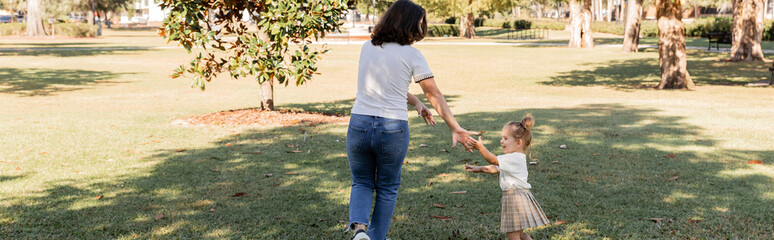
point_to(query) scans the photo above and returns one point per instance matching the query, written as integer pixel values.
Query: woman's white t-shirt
(513, 171)
(383, 79)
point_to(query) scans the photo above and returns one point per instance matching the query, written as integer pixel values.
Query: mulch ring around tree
(253, 116)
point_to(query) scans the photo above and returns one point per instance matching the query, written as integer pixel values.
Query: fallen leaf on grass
(228, 144)
(277, 217)
(342, 221)
(18, 168)
(268, 175)
(560, 222)
(443, 217)
(159, 216)
(755, 162)
(294, 151)
(444, 150)
(458, 205)
(459, 192)
(694, 220)
(239, 194)
(532, 163)
(289, 145)
(181, 150)
(657, 220)
(291, 173)
(577, 204)
(555, 162)
(99, 197)
(595, 154)
(430, 184)
(438, 205)
(422, 145)
(563, 146)
(212, 209)
(672, 178)
(43, 153)
(443, 174)
(670, 156)
(406, 162)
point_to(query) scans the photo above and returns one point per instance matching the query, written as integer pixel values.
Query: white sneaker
(360, 235)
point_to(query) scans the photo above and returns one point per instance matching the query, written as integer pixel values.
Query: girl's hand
(425, 113)
(471, 168)
(475, 144)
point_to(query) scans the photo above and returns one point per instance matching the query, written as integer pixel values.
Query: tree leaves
(755, 162)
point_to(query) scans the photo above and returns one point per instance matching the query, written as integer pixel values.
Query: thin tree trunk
(619, 17)
(267, 87)
(90, 16)
(747, 31)
(671, 46)
(632, 30)
(576, 23)
(35, 12)
(610, 7)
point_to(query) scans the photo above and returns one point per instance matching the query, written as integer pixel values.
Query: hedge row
(440, 30)
(60, 29)
(517, 24)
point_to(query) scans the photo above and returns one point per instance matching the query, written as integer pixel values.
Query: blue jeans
(376, 147)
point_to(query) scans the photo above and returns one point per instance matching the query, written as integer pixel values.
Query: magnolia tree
(277, 49)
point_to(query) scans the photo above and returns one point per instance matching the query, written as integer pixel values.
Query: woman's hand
(425, 113)
(461, 135)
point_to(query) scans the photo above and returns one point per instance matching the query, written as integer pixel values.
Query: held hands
(472, 168)
(424, 112)
(461, 135)
(475, 144)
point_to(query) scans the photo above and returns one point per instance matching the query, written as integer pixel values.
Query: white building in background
(147, 12)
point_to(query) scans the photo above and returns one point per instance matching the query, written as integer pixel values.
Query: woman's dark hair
(403, 23)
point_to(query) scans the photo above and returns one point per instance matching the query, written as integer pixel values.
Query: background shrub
(60, 29)
(439, 30)
(522, 24)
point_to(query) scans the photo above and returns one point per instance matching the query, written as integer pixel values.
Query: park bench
(718, 38)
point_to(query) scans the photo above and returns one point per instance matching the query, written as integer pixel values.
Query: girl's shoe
(360, 235)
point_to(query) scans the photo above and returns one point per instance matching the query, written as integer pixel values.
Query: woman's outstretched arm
(435, 97)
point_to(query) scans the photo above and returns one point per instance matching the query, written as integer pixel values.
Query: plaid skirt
(520, 211)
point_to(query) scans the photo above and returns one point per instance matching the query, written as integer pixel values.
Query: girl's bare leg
(525, 236)
(515, 235)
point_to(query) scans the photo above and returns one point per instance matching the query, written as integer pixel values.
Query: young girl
(520, 210)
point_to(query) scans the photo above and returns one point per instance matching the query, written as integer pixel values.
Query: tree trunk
(90, 16)
(267, 95)
(632, 30)
(747, 31)
(671, 46)
(35, 12)
(586, 40)
(576, 22)
(467, 29)
(610, 8)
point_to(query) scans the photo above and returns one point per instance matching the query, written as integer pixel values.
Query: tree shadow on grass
(704, 67)
(31, 82)
(615, 168)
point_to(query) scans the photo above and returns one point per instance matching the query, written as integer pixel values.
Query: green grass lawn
(87, 123)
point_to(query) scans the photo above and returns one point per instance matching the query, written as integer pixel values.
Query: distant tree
(279, 50)
(580, 28)
(747, 30)
(35, 12)
(467, 10)
(632, 30)
(671, 46)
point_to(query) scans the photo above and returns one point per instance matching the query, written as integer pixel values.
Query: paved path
(766, 51)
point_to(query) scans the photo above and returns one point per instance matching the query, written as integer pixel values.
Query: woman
(378, 137)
